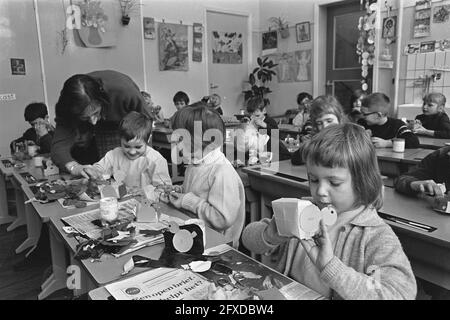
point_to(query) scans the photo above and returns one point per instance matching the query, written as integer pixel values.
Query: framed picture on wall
(303, 31)
(17, 66)
(389, 27)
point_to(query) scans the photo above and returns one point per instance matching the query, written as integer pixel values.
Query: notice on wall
(7, 97)
(422, 19)
(197, 45)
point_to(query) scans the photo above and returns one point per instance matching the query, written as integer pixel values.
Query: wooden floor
(20, 278)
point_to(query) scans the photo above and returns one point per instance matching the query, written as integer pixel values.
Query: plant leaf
(259, 61)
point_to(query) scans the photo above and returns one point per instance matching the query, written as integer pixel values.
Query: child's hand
(418, 129)
(175, 199)
(429, 187)
(305, 138)
(259, 123)
(381, 143)
(93, 172)
(320, 249)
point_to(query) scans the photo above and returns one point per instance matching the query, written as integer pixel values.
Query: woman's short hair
(326, 104)
(135, 125)
(210, 120)
(349, 146)
(80, 93)
(302, 95)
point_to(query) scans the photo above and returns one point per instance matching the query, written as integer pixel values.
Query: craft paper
(149, 28)
(197, 45)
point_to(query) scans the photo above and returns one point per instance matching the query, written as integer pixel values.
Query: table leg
(34, 227)
(4, 216)
(57, 279)
(20, 206)
(86, 284)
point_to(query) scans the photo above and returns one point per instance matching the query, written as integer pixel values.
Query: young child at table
(375, 108)
(422, 182)
(141, 163)
(41, 131)
(180, 100)
(325, 110)
(303, 104)
(211, 189)
(434, 122)
(359, 256)
(354, 114)
(154, 111)
(424, 178)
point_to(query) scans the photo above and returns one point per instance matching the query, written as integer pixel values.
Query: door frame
(249, 37)
(319, 47)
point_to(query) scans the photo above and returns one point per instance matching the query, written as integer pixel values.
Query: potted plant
(281, 25)
(258, 79)
(127, 7)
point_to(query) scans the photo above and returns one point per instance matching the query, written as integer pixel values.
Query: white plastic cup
(398, 145)
(109, 209)
(37, 161)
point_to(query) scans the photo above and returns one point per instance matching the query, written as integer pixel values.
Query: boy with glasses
(375, 108)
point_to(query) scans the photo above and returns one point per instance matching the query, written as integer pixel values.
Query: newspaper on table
(161, 284)
(181, 284)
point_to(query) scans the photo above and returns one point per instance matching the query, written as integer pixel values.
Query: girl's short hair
(255, 103)
(349, 146)
(135, 125)
(302, 95)
(435, 97)
(326, 104)
(80, 93)
(199, 112)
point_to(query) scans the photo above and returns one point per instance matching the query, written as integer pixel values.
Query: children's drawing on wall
(303, 58)
(97, 23)
(293, 66)
(227, 47)
(149, 28)
(173, 47)
(17, 66)
(412, 48)
(427, 46)
(269, 42)
(422, 19)
(441, 14)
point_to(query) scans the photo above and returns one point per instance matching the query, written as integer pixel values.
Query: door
(343, 68)
(227, 45)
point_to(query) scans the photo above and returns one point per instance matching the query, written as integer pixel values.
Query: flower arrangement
(92, 15)
(365, 47)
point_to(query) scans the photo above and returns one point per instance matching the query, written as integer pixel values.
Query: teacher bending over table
(88, 112)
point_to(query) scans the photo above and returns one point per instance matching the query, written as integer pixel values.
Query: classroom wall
(164, 84)
(18, 39)
(285, 94)
(125, 56)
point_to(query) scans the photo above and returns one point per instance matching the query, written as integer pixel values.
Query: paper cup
(37, 161)
(398, 145)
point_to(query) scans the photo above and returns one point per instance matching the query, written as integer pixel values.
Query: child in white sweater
(212, 188)
(140, 163)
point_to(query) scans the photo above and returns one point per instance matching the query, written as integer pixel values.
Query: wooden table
(95, 274)
(5, 174)
(395, 163)
(429, 252)
(432, 143)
